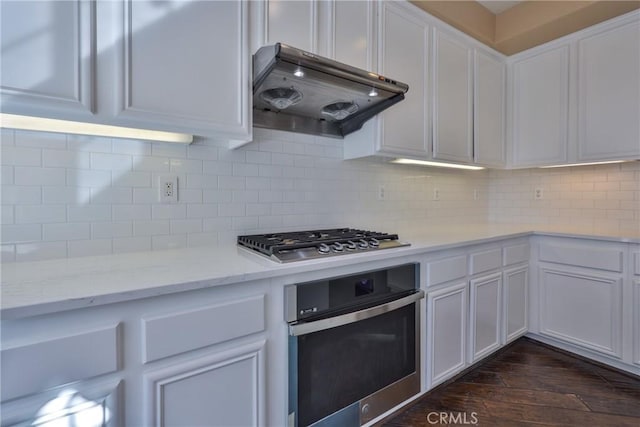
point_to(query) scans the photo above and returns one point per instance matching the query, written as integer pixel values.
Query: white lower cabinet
(636, 321)
(446, 332)
(516, 302)
(185, 359)
(221, 389)
(582, 308)
(485, 316)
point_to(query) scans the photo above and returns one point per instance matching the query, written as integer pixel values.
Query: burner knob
(323, 248)
(363, 244)
(374, 243)
(351, 246)
(338, 247)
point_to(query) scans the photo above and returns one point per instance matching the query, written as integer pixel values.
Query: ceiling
(513, 26)
(498, 6)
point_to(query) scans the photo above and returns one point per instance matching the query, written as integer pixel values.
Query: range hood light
(298, 73)
(436, 164)
(12, 121)
(373, 92)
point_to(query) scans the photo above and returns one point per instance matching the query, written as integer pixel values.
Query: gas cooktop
(303, 245)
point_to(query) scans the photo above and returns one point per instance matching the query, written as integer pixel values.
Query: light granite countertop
(32, 288)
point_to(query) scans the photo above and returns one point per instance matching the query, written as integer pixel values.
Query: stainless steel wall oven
(354, 345)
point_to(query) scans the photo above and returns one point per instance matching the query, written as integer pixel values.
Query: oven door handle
(345, 319)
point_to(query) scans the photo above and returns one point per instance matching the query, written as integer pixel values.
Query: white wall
(68, 196)
(603, 197)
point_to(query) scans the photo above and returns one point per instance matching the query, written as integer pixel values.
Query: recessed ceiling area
(498, 6)
(513, 26)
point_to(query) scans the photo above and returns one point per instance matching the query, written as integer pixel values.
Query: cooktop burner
(302, 245)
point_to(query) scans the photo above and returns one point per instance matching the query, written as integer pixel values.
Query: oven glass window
(339, 366)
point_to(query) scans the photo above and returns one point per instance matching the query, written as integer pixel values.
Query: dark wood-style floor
(529, 384)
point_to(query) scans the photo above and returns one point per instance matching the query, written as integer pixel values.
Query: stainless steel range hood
(298, 91)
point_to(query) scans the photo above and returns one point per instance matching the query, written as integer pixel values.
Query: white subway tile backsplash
(168, 150)
(7, 253)
(150, 164)
(20, 156)
(66, 159)
(88, 178)
(112, 195)
(40, 251)
(25, 175)
(202, 210)
(94, 144)
(131, 244)
(184, 226)
(7, 136)
(98, 195)
(40, 214)
(108, 161)
(106, 230)
(169, 211)
(65, 195)
(57, 141)
(89, 213)
(89, 247)
(130, 212)
(17, 233)
(18, 195)
(131, 179)
(66, 231)
(175, 241)
(151, 228)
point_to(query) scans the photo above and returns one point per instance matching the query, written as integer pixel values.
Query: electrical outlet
(168, 189)
(476, 194)
(381, 192)
(436, 194)
(538, 194)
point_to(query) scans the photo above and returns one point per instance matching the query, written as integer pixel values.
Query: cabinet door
(47, 58)
(489, 111)
(220, 389)
(540, 108)
(516, 288)
(609, 94)
(452, 92)
(185, 66)
(403, 57)
(485, 316)
(294, 23)
(352, 40)
(582, 308)
(446, 333)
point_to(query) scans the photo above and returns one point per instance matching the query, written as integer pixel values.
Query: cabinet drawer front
(515, 254)
(446, 270)
(484, 261)
(591, 257)
(35, 367)
(176, 333)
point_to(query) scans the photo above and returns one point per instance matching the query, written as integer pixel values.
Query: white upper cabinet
(294, 23)
(403, 56)
(185, 66)
(609, 94)
(351, 33)
(48, 55)
(452, 95)
(489, 109)
(539, 104)
(173, 66)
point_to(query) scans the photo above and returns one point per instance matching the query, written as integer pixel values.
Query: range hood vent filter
(298, 91)
(340, 110)
(281, 97)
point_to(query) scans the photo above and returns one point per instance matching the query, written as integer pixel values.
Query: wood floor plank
(530, 384)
